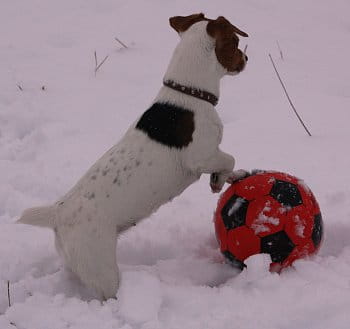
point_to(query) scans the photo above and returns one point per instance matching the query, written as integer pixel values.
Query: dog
(167, 149)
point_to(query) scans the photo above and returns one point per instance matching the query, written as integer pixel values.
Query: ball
(268, 212)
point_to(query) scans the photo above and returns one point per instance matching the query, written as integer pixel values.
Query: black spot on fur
(89, 195)
(168, 124)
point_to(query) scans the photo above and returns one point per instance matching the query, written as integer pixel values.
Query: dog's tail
(39, 216)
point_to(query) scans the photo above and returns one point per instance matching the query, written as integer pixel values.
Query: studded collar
(195, 92)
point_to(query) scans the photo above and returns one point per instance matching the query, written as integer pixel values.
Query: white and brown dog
(166, 150)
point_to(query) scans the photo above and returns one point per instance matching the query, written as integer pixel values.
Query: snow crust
(57, 117)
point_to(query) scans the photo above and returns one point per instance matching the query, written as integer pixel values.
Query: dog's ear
(183, 23)
(221, 27)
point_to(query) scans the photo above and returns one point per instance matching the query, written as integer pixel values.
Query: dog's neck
(193, 92)
(194, 63)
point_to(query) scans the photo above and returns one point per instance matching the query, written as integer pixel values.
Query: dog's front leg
(220, 166)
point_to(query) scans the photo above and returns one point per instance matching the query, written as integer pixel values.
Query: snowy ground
(57, 118)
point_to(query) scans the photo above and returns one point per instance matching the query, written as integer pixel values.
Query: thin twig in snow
(245, 49)
(8, 293)
(290, 101)
(95, 60)
(9, 301)
(97, 66)
(122, 43)
(279, 48)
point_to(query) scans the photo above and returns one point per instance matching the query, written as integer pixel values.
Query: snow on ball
(268, 212)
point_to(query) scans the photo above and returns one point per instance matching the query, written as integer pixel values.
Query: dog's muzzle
(241, 65)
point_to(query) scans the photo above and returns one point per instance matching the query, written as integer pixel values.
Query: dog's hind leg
(89, 250)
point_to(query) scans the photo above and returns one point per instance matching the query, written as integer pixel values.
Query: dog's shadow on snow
(59, 281)
(336, 239)
(198, 264)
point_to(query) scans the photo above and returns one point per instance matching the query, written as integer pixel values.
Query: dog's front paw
(217, 180)
(237, 175)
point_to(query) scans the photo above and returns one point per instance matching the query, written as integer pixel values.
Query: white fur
(138, 175)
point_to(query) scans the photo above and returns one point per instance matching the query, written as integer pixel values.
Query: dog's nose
(246, 57)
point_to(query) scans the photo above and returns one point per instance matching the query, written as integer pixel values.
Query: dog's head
(223, 37)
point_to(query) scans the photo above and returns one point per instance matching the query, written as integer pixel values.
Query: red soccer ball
(268, 212)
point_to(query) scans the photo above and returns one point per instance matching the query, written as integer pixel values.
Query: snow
(235, 206)
(258, 225)
(173, 275)
(299, 227)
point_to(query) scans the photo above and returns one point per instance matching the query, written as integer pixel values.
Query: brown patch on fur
(226, 47)
(225, 34)
(183, 23)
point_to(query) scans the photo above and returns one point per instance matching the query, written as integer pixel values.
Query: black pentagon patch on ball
(236, 263)
(286, 193)
(317, 231)
(278, 245)
(234, 212)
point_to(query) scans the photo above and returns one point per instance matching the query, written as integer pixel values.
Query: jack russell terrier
(166, 150)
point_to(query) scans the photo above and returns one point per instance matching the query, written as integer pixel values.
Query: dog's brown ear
(183, 23)
(221, 26)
